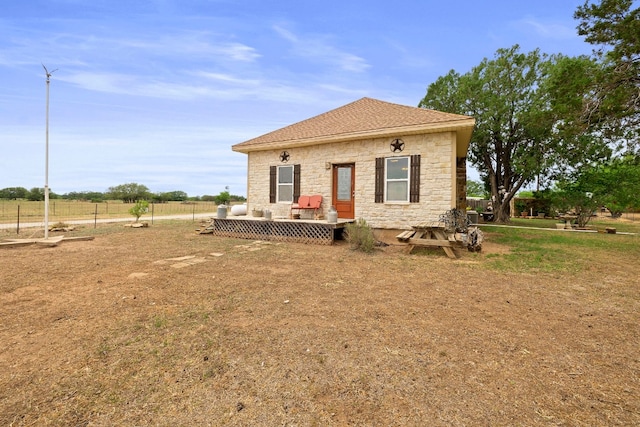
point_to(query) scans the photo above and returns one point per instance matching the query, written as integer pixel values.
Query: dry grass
(14, 211)
(114, 332)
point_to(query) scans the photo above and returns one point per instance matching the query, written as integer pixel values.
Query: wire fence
(22, 211)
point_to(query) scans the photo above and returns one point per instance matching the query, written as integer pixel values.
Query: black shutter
(379, 192)
(273, 171)
(296, 183)
(414, 185)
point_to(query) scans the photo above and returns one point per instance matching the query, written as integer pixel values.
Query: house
(391, 164)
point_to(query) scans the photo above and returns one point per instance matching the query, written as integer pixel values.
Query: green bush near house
(360, 236)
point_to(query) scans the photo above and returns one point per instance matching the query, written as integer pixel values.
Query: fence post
(152, 209)
(95, 217)
(18, 222)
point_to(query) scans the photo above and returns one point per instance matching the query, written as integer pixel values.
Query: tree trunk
(502, 213)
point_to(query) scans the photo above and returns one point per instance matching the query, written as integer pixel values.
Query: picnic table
(430, 234)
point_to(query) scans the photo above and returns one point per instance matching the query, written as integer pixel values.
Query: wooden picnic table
(430, 234)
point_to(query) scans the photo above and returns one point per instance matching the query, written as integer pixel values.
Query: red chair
(307, 203)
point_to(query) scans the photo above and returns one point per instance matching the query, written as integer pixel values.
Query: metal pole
(46, 164)
(46, 168)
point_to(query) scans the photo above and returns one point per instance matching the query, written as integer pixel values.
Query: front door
(344, 178)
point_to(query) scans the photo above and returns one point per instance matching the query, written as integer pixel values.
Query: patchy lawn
(162, 326)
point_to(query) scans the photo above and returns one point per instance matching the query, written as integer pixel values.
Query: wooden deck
(317, 232)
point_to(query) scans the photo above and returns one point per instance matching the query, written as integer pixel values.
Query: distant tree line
(128, 193)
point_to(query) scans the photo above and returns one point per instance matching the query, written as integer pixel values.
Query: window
(397, 179)
(285, 184)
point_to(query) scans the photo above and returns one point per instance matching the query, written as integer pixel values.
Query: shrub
(141, 207)
(360, 236)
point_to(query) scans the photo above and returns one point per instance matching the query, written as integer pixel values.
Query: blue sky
(157, 91)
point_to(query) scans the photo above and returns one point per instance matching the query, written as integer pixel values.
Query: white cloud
(545, 29)
(100, 82)
(227, 78)
(318, 49)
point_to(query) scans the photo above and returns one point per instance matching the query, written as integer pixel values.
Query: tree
(614, 28)
(223, 198)
(14, 193)
(36, 194)
(140, 208)
(476, 189)
(526, 119)
(176, 196)
(572, 195)
(129, 193)
(94, 196)
(614, 184)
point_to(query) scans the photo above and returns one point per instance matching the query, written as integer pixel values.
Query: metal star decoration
(284, 157)
(397, 145)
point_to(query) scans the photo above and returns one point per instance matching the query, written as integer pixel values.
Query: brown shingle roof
(365, 117)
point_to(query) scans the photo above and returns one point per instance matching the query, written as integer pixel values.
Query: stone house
(391, 164)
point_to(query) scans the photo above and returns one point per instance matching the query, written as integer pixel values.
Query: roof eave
(463, 129)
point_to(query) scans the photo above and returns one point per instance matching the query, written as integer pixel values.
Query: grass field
(65, 210)
(163, 326)
(559, 251)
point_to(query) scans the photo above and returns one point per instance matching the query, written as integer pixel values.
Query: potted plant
(521, 208)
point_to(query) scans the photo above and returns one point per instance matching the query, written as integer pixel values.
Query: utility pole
(46, 162)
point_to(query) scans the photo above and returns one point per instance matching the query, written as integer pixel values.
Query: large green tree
(619, 183)
(527, 117)
(614, 184)
(36, 194)
(129, 193)
(613, 27)
(14, 193)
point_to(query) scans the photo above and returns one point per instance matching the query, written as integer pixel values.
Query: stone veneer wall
(437, 188)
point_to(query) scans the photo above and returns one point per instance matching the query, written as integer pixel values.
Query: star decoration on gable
(397, 145)
(284, 157)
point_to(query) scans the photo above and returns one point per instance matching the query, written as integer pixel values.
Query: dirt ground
(162, 326)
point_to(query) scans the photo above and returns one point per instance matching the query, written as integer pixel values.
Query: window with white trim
(397, 177)
(285, 183)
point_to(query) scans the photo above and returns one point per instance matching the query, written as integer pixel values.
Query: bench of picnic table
(405, 235)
